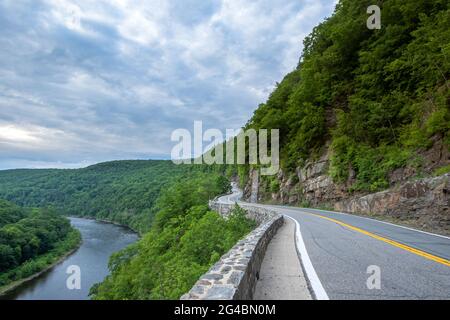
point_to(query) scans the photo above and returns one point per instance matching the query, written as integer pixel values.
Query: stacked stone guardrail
(235, 275)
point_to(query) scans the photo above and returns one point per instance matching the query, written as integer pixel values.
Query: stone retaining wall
(235, 275)
(254, 212)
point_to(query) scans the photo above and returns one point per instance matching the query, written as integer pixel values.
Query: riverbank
(4, 290)
(110, 222)
(100, 241)
(73, 241)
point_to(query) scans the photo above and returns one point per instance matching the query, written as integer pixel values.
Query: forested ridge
(376, 98)
(181, 237)
(31, 239)
(119, 191)
(186, 238)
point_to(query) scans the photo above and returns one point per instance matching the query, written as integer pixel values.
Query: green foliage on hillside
(185, 240)
(10, 213)
(31, 240)
(120, 191)
(377, 95)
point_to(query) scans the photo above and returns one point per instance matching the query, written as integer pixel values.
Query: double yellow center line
(389, 241)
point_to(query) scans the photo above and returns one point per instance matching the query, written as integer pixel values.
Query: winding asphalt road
(341, 251)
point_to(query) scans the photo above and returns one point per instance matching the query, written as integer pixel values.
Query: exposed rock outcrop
(316, 185)
(254, 186)
(426, 200)
(310, 184)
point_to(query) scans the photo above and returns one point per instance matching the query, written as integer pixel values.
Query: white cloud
(11, 134)
(95, 80)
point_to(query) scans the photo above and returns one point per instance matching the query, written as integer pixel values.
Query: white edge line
(316, 285)
(385, 222)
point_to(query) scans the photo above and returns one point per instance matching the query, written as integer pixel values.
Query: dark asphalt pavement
(341, 257)
(412, 264)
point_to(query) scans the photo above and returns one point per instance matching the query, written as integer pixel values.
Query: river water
(100, 240)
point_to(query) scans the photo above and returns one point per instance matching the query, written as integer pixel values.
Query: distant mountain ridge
(121, 191)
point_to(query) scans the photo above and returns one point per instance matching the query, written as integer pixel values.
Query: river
(100, 240)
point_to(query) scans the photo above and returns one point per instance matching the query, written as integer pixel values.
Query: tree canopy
(119, 191)
(377, 96)
(185, 240)
(28, 234)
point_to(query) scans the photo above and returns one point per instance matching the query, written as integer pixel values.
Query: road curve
(343, 248)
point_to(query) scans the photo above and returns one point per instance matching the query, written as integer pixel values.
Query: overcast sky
(88, 81)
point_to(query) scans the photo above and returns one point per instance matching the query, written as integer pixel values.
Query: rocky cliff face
(423, 202)
(310, 184)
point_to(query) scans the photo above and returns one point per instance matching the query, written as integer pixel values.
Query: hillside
(181, 237)
(185, 239)
(31, 240)
(365, 110)
(364, 125)
(119, 191)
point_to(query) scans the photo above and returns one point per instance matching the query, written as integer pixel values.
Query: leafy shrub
(378, 96)
(442, 170)
(274, 186)
(186, 239)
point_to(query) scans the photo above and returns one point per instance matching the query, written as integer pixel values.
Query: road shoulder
(281, 275)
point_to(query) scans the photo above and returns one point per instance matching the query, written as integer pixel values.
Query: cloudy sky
(88, 81)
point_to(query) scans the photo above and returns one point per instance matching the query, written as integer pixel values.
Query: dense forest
(119, 191)
(167, 203)
(31, 239)
(184, 241)
(377, 98)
